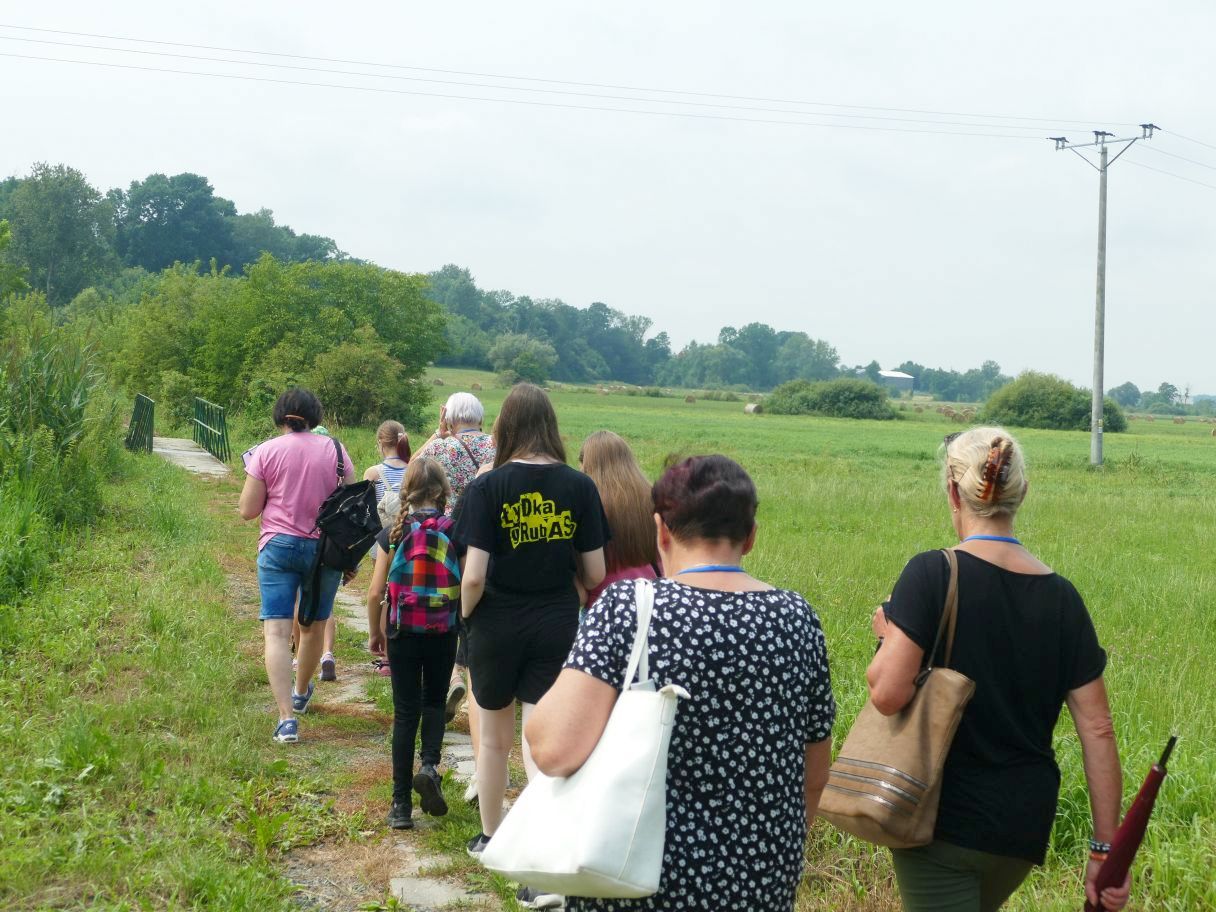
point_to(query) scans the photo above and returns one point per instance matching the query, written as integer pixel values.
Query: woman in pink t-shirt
(633, 552)
(287, 479)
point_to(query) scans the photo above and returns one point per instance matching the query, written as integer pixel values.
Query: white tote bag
(600, 832)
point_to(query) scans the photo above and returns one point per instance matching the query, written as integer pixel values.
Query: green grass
(137, 770)
(845, 503)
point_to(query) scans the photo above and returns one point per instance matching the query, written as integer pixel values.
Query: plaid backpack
(424, 579)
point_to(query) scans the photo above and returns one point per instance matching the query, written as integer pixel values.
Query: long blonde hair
(425, 483)
(625, 493)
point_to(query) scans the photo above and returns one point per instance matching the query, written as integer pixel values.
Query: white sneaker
(530, 898)
(470, 794)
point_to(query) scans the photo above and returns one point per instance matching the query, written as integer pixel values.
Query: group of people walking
(505, 573)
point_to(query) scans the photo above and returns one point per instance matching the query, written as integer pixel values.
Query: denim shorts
(285, 570)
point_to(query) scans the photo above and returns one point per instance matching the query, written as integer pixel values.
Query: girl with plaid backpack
(419, 566)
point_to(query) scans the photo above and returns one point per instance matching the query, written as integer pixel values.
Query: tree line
(68, 235)
(100, 251)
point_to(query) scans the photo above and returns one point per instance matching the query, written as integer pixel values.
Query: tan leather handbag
(886, 781)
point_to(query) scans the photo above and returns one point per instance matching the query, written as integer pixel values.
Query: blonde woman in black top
(1026, 639)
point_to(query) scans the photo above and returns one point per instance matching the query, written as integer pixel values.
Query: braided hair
(425, 483)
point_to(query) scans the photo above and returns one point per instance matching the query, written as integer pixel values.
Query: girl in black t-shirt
(1024, 636)
(531, 527)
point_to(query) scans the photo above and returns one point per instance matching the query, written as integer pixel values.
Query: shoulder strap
(341, 462)
(638, 660)
(949, 614)
(461, 441)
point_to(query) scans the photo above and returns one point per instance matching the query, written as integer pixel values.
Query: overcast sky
(947, 250)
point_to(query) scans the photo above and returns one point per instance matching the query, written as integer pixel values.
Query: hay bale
(476, 387)
(1149, 418)
(690, 399)
(1214, 432)
(920, 410)
(1178, 419)
(753, 408)
(436, 382)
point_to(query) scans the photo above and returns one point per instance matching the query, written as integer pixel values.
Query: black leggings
(421, 668)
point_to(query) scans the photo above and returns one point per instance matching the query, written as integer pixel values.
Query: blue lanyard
(714, 568)
(1001, 538)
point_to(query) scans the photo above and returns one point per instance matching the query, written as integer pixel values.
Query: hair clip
(996, 469)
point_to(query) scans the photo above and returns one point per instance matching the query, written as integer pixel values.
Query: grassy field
(137, 771)
(845, 503)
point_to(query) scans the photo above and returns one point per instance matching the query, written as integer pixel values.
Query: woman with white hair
(463, 449)
(459, 444)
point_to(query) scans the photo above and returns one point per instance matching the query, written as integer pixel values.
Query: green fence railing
(211, 429)
(139, 431)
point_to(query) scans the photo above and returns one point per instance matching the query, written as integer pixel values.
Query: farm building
(897, 380)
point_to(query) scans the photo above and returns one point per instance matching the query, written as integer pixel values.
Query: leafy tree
(1046, 401)
(705, 367)
(359, 382)
(873, 372)
(844, 397)
(758, 343)
(62, 231)
(255, 234)
(803, 358)
(1169, 393)
(1126, 394)
(227, 333)
(520, 357)
(12, 276)
(163, 220)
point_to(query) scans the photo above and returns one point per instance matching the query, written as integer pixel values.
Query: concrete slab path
(189, 455)
(408, 883)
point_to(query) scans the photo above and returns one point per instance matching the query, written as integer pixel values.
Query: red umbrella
(1131, 831)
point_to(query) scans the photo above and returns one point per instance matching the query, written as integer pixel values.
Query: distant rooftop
(895, 375)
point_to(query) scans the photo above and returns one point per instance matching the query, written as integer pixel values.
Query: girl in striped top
(395, 455)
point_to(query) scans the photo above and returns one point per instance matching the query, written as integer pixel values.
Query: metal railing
(211, 429)
(139, 432)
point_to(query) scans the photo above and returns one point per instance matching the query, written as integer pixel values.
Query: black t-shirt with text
(1026, 640)
(532, 520)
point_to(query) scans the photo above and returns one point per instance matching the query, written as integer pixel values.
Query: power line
(1181, 158)
(595, 85)
(514, 101)
(1198, 142)
(565, 92)
(1189, 180)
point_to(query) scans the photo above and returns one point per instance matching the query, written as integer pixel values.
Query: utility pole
(1102, 142)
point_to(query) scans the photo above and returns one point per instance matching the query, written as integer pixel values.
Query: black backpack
(349, 523)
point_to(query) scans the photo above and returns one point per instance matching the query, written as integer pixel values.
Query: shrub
(721, 396)
(359, 382)
(523, 358)
(841, 398)
(59, 439)
(1038, 400)
(175, 399)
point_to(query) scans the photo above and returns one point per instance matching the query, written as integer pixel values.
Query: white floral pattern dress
(461, 456)
(756, 666)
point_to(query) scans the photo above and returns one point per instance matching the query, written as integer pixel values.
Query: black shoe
(399, 816)
(535, 899)
(477, 845)
(429, 786)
